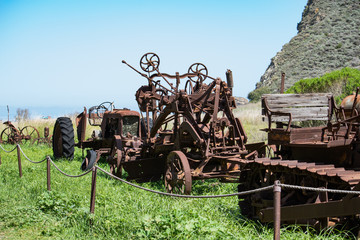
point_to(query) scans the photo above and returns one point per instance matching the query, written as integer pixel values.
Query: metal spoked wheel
(30, 135)
(9, 136)
(149, 62)
(178, 174)
(200, 69)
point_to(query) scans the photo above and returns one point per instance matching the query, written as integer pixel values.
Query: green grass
(29, 211)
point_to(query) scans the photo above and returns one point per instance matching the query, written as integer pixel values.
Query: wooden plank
(273, 96)
(292, 100)
(305, 111)
(289, 104)
(303, 107)
(302, 114)
(297, 103)
(297, 97)
(299, 119)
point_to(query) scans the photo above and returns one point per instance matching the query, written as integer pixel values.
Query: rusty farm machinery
(321, 157)
(180, 134)
(13, 135)
(28, 134)
(185, 130)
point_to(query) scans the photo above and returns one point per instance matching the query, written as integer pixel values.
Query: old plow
(13, 135)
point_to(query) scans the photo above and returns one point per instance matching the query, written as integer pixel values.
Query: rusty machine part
(320, 157)
(47, 139)
(119, 134)
(190, 133)
(13, 135)
(350, 105)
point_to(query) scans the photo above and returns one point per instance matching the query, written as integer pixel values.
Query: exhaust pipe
(229, 79)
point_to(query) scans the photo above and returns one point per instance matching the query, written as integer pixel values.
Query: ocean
(39, 112)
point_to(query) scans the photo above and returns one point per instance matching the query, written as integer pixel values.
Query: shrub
(340, 83)
(255, 95)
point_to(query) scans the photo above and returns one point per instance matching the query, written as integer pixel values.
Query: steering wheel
(198, 68)
(103, 107)
(149, 62)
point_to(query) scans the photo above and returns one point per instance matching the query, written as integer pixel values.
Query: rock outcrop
(328, 39)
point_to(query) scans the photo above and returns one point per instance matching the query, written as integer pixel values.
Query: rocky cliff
(328, 39)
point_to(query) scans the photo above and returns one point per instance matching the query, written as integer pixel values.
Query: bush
(255, 95)
(340, 83)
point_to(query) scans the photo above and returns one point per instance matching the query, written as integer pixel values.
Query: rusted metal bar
(19, 160)
(277, 207)
(48, 165)
(319, 210)
(282, 87)
(229, 79)
(93, 190)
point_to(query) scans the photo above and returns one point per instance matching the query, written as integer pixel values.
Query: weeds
(29, 211)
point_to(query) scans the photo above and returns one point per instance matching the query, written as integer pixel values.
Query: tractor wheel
(63, 138)
(178, 173)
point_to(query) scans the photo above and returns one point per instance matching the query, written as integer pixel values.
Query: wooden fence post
(48, 174)
(19, 159)
(93, 189)
(277, 207)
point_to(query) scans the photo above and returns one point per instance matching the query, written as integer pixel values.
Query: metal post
(282, 88)
(277, 207)
(93, 190)
(48, 174)
(0, 159)
(19, 159)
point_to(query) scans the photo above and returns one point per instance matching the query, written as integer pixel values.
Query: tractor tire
(63, 138)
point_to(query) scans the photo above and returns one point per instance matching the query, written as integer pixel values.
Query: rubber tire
(91, 157)
(63, 138)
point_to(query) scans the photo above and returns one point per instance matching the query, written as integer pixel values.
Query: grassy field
(29, 211)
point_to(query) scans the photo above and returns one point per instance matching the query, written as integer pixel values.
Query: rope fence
(6, 150)
(276, 186)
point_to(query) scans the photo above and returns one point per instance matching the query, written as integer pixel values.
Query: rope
(318, 189)
(186, 196)
(6, 150)
(68, 175)
(29, 158)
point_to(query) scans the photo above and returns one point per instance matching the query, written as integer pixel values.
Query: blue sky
(68, 53)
